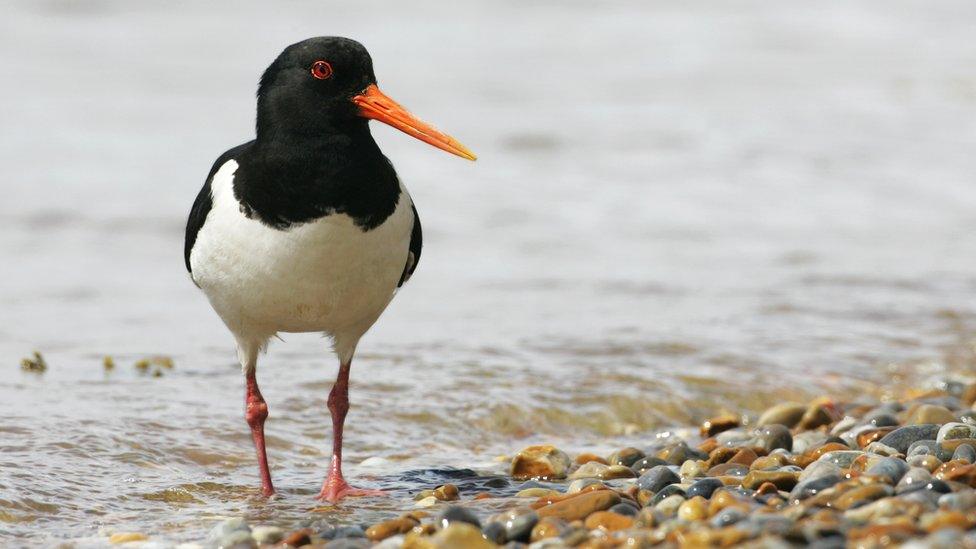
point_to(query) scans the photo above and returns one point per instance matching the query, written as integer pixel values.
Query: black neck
(292, 177)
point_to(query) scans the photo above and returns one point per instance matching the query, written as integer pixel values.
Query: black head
(324, 87)
(311, 85)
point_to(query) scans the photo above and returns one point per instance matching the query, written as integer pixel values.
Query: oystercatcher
(307, 228)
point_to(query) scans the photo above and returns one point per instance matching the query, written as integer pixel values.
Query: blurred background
(677, 208)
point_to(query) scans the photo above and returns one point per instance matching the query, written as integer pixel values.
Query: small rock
(930, 413)
(656, 478)
(448, 492)
(544, 461)
(669, 505)
(608, 520)
(298, 538)
(965, 452)
(900, 439)
(456, 513)
(267, 534)
(773, 436)
(625, 457)
(788, 414)
(728, 516)
(784, 480)
(644, 464)
(693, 509)
(890, 468)
(626, 508)
(579, 507)
(951, 431)
(518, 524)
(915, 479)
(704, 488)
(713, 426)
(392, 527)
(495, 533)
(220, 534)
(460, 534)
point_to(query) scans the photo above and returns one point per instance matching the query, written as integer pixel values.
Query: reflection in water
(676, 211)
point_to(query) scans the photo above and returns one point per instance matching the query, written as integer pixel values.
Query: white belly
(323, 276)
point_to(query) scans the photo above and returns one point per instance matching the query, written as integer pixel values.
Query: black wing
(203, 204)
(416, 243)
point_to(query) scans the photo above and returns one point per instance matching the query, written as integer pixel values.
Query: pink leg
(335, 487)
(256, 411)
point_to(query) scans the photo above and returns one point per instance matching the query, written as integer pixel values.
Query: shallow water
(676, 210)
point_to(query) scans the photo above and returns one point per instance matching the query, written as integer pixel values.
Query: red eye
(321, 70)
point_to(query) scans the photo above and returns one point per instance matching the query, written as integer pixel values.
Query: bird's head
(325, 84)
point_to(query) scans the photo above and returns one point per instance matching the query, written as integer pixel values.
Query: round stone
(951, 431)
(704, 488)
(788, 414)
(543, 461)
(900, 439)
(771, 437)
(656, 478)
(456, 513)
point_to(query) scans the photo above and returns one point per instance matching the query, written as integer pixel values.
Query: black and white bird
(307, 228)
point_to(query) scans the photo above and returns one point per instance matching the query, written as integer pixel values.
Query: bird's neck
(288, 178)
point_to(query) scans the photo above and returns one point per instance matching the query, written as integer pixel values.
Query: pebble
(965, 452)
(542, 461)
(787, 414)
(656, 478)
(771, 437)
(693, 509)
(929, 413)
(518, 524)
(452, 514)
(901, 438)
(644, 464)
(580, 506)
(824, 474)
(625, 457)
(951, 431)
(609, 521)
(891, 468)
(704, 488)
(267, 534)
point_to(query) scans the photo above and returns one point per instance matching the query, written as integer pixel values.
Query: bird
(307, 227)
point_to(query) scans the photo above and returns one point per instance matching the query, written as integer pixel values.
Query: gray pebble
(771, 437)
(914, 479)
(657, 478)
(965, 452)
(456, 513)
(891, 468)
(727, 516)
(495, 533)
(518, 524)
(704, 487)
(813, 486)
(349, 532)
(900, 439)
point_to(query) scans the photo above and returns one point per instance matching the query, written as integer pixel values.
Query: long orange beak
(377, 105)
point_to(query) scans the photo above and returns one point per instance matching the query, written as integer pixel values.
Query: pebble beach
(827, 473)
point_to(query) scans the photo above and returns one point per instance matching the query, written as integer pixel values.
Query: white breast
(324, 276)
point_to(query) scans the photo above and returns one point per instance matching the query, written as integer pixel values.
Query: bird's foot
(336, 488)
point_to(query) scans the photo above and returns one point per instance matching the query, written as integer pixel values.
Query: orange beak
(376, 105)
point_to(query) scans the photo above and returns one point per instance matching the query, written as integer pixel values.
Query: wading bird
(307, 228)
